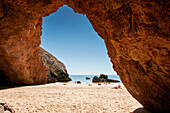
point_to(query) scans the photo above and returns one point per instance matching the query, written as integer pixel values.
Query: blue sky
(70, 37)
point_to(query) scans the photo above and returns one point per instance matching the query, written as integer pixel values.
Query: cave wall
(136, 34)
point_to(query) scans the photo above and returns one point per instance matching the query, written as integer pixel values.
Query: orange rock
(136, 34)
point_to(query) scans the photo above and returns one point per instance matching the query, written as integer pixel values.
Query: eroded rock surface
(136, 33)
(56, 69)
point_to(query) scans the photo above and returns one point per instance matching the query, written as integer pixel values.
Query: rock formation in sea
(87, 78)
(96, 79)
(136, 34)
(112, 80)
(57, 71)
(103, 78)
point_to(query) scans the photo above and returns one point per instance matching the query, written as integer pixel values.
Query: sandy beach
(69, 98)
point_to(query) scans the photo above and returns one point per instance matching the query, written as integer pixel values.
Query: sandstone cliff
(56, 70)
(136, 33)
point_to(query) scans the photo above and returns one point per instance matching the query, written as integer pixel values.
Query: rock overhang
(136, 34)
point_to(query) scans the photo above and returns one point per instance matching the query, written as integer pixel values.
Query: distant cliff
(57, 71)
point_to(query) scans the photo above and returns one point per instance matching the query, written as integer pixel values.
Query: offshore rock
(103, 76)
(78, 82)
(56, 70)
(96, 79)
(87, 78)
(136, 34)
(112, 80)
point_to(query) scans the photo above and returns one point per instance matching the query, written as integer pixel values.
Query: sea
(83, 79)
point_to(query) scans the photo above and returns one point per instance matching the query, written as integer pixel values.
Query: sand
(69, 98)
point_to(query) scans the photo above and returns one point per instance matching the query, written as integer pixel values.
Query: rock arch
(136, 33)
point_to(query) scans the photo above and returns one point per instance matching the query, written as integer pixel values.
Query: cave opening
(70, 37)
(135, 35)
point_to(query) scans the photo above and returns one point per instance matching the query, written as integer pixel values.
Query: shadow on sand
(2, 87)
